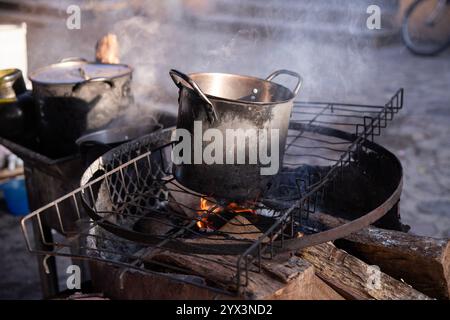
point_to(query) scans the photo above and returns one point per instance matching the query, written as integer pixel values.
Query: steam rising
(305, 37)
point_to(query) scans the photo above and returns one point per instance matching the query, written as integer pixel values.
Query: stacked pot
(71, 98)
(75, 97)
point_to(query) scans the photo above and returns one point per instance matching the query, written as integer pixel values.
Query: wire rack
(132, 213)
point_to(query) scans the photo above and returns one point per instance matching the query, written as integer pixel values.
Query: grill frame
(333, 115)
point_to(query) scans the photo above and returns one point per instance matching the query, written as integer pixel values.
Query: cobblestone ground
(347, 72)
(420, 138)
(19, 271)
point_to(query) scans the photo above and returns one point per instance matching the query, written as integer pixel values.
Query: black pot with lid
(75, 97)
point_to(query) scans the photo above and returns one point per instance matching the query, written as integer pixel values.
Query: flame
(234, 207)
(208, 207)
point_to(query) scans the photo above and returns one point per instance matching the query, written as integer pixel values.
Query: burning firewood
(204, 209)
(107, 49)
(281, 278)
(321, 271)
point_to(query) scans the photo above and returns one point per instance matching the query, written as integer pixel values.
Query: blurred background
(335, 45)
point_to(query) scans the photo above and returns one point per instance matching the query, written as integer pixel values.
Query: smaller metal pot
(95, 144)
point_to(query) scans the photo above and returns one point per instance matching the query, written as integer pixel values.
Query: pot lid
(70, 72)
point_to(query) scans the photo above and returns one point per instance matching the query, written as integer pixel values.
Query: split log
(353, 278)
(423, 262)
(280, 278)
(300, 279)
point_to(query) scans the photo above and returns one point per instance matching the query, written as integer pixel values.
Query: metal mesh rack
(129, 208)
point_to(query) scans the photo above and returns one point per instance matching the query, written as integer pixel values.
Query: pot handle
(95, 79)
(73, 59)
(289, 73)
(210, 110)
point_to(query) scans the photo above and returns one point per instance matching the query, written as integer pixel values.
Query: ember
(208, 207)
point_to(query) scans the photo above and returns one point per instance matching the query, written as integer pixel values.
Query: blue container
(15, 194)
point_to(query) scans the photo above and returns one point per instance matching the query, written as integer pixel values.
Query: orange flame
(234, 207)
(208, 207)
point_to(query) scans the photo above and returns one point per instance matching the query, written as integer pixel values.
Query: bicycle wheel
(426, 27)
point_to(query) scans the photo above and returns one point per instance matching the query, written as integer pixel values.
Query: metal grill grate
(130, 207)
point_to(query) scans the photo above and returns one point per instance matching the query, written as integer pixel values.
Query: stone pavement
(19, 271)
(420, 137)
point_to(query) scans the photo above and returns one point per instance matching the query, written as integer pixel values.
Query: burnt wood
(281, 278)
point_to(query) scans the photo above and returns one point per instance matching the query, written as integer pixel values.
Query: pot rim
(134, 131)
(240, 102)
(69, 63)
(9, 75)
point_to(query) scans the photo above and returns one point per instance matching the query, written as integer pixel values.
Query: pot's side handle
(210, 110)
(95, 79)
(289, 73)
(73, 59)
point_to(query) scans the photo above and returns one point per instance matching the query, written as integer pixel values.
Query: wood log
(121, 283)
(296, 281)
(281, 278)
(340, 274)
(353, 278)
(423, 262)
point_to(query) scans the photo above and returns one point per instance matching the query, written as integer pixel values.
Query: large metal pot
(16, 108)
(226, 101)
(75, 97)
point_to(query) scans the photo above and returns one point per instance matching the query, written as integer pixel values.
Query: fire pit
(135, 217)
